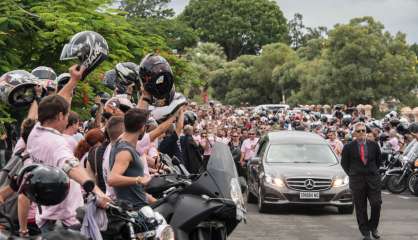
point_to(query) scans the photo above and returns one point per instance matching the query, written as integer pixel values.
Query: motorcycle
(126, 222)
(399, 179)
(413, 181)
(204, 206)
(393, 160)
(132, 224)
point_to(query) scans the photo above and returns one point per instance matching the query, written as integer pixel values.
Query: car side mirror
(255, 161)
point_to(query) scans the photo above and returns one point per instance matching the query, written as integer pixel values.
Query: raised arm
(67, 91)
(145, 100)
(162, 128)
(98, 117)
(33, 110)
(180, 121)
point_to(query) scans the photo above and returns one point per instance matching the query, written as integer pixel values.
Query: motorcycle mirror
(175, 161)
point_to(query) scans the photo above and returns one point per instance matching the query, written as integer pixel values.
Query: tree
(249, 78)
(204, 59)
(296, 31)
(359, 63)
(33, 33)
(177, 34)
(240, 27)
(146, 8)
(300, 35)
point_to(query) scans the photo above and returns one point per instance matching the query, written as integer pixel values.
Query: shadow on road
(299, 210)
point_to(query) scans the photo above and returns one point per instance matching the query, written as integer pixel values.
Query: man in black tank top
(127, 170)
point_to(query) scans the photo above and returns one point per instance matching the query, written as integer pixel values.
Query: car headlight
(275, 181)
(165, 232)
(339, 182)
(236, 194)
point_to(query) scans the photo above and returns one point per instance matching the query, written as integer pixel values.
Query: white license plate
(309, 195)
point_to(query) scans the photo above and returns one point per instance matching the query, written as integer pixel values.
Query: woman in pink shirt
(206, 144)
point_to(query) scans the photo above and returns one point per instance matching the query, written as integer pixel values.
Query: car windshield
(300, 153)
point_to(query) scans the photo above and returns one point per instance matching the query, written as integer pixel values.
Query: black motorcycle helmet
(62, 79)
(402, 128)
(394, 122)
(383, 137)
(44, 73)
(324, 118)
(104, 97)
(127, 74)
(43, 185)
(157, 78)
(338, 114)
(317, 115)
(17, 88)
(190, 118)
(110, 79)
(347, 120)
(332, 120)
(413, 128)
(89, 47)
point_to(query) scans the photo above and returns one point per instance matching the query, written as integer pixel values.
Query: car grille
(309, 184)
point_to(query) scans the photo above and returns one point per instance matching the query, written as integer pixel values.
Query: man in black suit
(361, 160)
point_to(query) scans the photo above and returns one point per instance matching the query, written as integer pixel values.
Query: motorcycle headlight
(340, 181)
(275, 181)
(165, 233)
(236, 194)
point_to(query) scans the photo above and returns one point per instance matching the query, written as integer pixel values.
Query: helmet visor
(70, 51)
(44, 74)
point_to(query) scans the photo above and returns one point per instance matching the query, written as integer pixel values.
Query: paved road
(399, 221)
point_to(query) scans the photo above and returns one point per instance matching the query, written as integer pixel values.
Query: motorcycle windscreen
(222, 168)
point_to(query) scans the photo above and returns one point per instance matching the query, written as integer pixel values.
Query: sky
(396, 15)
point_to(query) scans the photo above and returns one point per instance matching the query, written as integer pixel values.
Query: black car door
(257, 169)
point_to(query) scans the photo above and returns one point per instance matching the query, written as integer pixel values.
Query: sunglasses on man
(361, 131)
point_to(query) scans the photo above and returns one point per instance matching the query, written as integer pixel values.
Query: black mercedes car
(297, 168)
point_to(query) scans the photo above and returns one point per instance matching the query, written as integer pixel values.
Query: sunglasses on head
(361, 130)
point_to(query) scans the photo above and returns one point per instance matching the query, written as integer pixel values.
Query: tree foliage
(177, 35)
(249, 77)
(299, 34)
(240, 27)
(32, 33)
(146, 8)
(204, 59)
(357, 63)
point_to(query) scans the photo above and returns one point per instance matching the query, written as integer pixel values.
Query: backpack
(95, 159)
(12, 168)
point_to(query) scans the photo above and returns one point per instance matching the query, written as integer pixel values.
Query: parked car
(270, 107)
(297, 168)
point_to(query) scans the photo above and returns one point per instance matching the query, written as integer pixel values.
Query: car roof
(295, 137)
